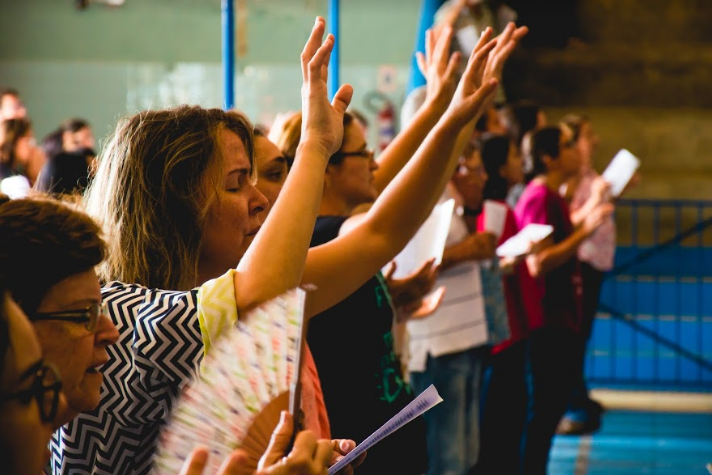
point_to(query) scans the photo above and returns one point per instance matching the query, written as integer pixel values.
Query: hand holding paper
(428, 243)
(418, 406)
(520, 243)
(620, 171)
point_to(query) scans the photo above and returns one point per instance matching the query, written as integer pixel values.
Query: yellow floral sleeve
(217, 307)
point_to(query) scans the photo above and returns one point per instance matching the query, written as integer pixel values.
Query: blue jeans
(453, 425)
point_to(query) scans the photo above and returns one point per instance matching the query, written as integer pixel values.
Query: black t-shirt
(360, 374)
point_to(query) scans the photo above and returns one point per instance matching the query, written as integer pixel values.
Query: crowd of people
(103, 319)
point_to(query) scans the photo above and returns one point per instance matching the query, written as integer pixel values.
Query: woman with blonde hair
(175, 193)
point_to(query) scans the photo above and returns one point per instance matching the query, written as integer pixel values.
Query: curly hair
(149, 192)
(42, 242)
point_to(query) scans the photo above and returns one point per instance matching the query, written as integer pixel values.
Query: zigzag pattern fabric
(159, 351)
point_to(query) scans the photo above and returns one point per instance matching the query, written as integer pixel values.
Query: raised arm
(439, 69)
(274, 262)
(406, 201)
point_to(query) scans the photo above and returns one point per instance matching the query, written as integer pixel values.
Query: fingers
(424, 269)
(429, 45)
(308, 454)
(485, 37)
(318, 66)
(442, 47)
(235, 464)
(452, 65)
(520, 33)
(279, 442)
(344, 446)
(196, 462)
(422, 65)
(342, 98)
(324, 453)
(312, 45)
(391, 270)
(477, 62)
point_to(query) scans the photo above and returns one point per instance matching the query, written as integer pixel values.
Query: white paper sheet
(495, 216)
(428, 242)
(518, 245)
(620, 171)
(423, 403)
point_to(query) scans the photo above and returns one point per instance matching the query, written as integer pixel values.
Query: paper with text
(421, 404)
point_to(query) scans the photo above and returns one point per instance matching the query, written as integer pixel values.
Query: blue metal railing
(654, 327)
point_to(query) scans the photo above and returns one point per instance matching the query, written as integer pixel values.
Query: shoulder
(124, 299)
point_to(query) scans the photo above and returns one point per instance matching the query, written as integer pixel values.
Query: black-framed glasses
(366, 153)
(45, 389)
(89, 316)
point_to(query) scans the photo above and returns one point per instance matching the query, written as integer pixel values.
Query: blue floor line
(635, 443)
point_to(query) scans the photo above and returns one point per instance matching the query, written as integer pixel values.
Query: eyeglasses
(45, 389)
(367, 153)
(89, 316)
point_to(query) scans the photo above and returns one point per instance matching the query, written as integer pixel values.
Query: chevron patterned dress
(159, 351)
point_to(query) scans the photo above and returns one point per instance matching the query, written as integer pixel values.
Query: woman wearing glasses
(351, 340)
(51, 251)
(30, 394)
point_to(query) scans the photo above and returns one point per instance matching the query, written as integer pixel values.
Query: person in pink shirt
(555, 334)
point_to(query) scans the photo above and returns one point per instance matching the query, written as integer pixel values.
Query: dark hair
(575, 123)
(74, 124)
(11, 131)
(360, 116)
(494, 149)
(520, 118)
(42, 242)
(545, 142)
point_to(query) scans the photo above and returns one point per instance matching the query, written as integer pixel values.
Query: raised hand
(506, 42)
(439, 67)
(473, 92)
(322, 123)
